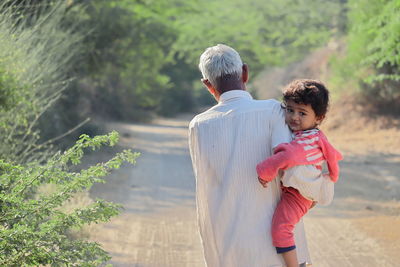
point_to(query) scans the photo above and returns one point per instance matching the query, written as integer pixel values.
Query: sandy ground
(158, 224)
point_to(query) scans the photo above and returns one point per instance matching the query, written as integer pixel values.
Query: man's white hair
(218, 61)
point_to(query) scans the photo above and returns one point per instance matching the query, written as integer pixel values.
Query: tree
(35, 230)
(372, 59)
(141, 56)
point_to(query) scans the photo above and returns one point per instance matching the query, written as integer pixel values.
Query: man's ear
(207, 83)
(210, 87)
(245, 73)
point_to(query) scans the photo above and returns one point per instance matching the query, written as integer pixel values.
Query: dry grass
(354, 129)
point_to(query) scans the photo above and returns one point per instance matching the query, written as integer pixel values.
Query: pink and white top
(311, 149)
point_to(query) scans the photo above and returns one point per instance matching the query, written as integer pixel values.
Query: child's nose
(295, 116)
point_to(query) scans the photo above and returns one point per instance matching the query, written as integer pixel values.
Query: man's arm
(280, 132)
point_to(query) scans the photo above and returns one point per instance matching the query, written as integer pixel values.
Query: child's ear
(320, 119)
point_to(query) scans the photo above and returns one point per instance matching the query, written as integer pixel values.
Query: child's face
(300, 117)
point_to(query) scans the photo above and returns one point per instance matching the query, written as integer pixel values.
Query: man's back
(234, 210)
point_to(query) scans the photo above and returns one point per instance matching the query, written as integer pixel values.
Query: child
(305, 103)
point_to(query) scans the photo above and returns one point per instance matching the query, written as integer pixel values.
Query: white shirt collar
(234, 94)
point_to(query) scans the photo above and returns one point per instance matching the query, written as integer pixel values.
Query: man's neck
(230, 87)
(218, 95)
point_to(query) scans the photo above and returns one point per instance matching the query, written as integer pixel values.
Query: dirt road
(158, 224)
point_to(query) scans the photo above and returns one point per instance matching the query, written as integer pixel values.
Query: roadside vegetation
(37, 53)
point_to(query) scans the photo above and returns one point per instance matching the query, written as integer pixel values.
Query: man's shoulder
(204, 116)
(271, 108)
(267, 103)
(268, 106)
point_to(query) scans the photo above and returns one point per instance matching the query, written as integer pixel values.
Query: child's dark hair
(307, 91)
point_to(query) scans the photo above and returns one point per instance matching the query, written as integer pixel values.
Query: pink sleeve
(332, 157)
(268, 169)
(301, 151)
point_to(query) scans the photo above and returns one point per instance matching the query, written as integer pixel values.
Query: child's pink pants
(289, 211)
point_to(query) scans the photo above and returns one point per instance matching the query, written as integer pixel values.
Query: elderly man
(226, 143)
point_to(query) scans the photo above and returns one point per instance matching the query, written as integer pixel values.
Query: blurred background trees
(139, 57)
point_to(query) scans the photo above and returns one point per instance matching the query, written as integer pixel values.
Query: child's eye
(303, 114)
(289, 110)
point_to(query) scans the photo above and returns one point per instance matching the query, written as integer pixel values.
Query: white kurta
(234, 210)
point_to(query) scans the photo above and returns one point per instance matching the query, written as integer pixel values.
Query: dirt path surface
(158, 224)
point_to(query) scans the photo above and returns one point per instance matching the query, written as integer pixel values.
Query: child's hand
(313, 204)
(262, 182)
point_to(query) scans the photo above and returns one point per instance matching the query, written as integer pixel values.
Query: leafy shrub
(371, 63)
(35, 57)
(34, 230)
(120, 70)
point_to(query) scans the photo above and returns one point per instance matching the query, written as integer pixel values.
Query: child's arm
(288, 155)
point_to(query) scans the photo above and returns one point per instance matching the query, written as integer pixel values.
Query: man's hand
(262, 182)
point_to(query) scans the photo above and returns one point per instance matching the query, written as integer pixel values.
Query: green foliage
(372, 60)
(8, 91)
(142, 56)
(264, 33)
(37, 54)
(35, 57)
(35, 231)
(124, 54)
(376, 27)
(138, 56)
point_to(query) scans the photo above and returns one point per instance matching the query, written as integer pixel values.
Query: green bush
(370, 65)
(36, 56)
(122, 58)
(8, 91)
(34, 230)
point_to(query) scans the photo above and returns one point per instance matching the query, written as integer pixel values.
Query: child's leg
(290, 258)
(288, 212)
